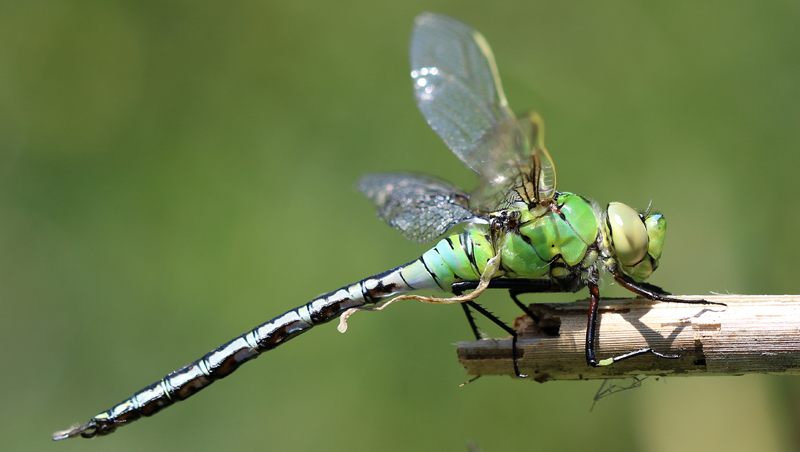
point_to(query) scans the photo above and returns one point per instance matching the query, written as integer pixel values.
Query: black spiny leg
(520, 286)
(505, 327)
(458, 289)
(591, 331)
(652, 292)
(514, 287)
(653, 288)
(471, 320)
(645, 291)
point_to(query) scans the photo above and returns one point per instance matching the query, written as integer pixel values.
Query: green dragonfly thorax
(568, 238)
(559, 239)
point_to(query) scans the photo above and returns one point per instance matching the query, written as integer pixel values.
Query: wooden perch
(752, 334)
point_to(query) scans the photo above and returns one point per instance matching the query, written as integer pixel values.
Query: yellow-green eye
(628, 233)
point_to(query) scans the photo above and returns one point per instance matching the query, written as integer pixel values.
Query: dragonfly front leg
(591, 332)
(652, 292)
(643, 290)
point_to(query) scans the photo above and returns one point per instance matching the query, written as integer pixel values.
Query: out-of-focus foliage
(173, 173)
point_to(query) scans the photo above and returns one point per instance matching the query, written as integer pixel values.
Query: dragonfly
(517, 232)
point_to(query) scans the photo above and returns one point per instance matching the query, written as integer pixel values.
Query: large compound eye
(628, 233)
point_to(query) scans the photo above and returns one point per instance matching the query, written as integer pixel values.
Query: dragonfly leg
(644, 290)
(524, 308)
(652, 292)
(514, 287)
(505, 327)
(591, 333)
(458, 289)
(653, 288)
(471, 320)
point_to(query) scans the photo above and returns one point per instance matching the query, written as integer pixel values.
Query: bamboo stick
(751, 334)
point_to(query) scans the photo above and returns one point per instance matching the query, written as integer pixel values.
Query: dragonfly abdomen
(462, 256)
(190, 379)
(457, 258)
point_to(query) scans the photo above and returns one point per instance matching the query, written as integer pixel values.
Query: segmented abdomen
(457, 257)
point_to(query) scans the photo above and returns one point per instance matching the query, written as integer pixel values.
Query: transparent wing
(458, 91)
(421, 207)
(457, 86)
(505, 180)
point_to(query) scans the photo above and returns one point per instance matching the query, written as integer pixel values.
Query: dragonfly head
(636, 239)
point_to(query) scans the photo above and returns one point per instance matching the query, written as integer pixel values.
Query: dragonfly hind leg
(502, 325)
(472, 325)
(514, 287)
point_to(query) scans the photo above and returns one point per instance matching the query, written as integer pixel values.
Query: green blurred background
(174, 173)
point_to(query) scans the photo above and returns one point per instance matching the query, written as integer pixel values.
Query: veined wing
(459, 93)
(421, 207)
(457, 86)
(531, 178)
